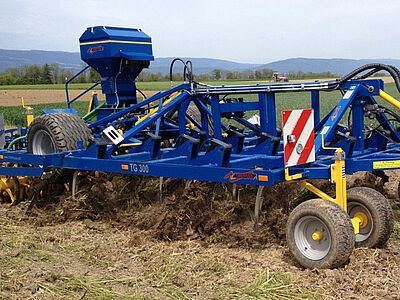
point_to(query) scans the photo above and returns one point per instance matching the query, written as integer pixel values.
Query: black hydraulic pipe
(188, 69)
(393, 71)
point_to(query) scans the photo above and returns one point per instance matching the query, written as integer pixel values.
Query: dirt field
(116, 241)
(13, 97)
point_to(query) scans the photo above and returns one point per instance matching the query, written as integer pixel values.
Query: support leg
(41, 187)
(234, 192)
(160, 190)
(74, 185)
(258, 205)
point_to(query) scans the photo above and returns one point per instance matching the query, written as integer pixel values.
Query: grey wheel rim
(364, 233)
(43, 143)
(306, 244)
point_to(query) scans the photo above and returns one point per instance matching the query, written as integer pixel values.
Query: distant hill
(71, 60)
(17, 58)
(338, 66)
(200, 65)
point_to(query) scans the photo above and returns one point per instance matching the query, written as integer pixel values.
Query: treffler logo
(233, 177)
(92, 50)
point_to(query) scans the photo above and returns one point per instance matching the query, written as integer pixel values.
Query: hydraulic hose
(393, 71)
(14, 141)
(370, 73)
(172, 66)
(144, 96)
(390, 112)
(188, 70)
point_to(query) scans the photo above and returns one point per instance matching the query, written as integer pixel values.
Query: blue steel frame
(84, 92)
(233, 155)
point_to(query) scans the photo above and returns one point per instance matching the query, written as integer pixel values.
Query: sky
(251, 31)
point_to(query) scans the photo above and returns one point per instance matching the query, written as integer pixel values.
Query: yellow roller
(6, 185)
(389, 98)
(15, 186)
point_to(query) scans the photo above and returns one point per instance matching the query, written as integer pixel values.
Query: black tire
(336, 242)
(57, 132)
(64, 129)
(377, 212)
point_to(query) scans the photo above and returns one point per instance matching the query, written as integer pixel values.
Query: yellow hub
(362, 217)
(318, 235)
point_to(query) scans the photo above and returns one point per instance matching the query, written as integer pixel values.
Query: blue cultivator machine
(182, 133)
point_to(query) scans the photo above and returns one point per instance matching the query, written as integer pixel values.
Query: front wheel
(320, 234)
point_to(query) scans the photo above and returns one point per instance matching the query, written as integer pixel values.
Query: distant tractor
(277, 77)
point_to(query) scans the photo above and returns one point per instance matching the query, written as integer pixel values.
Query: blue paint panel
(61, 110)
(271, 114)
(315, 106)
(329, 128)
(21, 171)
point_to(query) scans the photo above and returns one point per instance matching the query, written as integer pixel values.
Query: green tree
(230, 75)
(32, 74)
(65, 75)
(55, 73)
(45, 76)
(7, 79)
(94, 76)
(217, 74)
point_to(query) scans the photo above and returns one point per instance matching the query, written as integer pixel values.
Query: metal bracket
(113, 135)
(292, 177)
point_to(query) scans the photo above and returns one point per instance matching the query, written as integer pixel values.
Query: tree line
(219, 74)
(53, 74)
(46, 74)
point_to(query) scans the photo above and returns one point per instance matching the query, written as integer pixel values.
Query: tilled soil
(203, 211)
(198, 236)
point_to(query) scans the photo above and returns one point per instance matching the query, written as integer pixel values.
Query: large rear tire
(57, 132)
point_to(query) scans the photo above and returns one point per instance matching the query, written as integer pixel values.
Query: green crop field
(145, 86)
(15, 116)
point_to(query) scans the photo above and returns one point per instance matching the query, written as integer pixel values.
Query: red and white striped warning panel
(298, 136)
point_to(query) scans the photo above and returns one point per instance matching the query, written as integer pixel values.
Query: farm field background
(53, 96)
(115, 241)
(154, 85)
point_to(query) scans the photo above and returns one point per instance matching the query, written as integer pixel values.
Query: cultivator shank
(194, 131)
